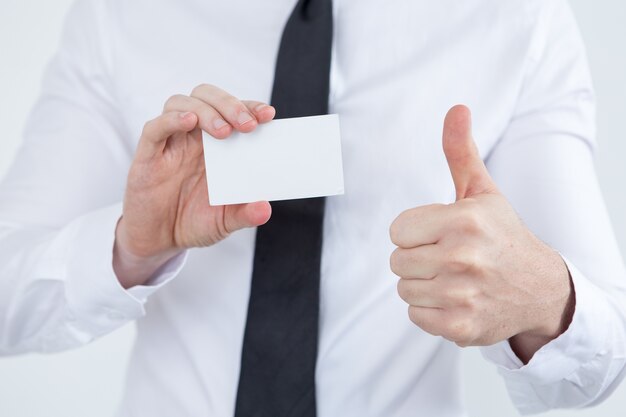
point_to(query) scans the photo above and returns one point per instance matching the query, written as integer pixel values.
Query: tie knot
(313, 9)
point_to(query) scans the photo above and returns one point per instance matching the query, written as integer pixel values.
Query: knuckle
(414, 315)
(396, 262)
(466, 259)
(465, 296)
(470, 221)
(232, 103)
(149, 128)
(460, 331)
(394, 232)
(468, 203)
(404, 290)
(469, 297)
(457, 262)
(474, 260)
(173, 101)
(417, 319)
(200, 88)
(397, 227)
(215, 96)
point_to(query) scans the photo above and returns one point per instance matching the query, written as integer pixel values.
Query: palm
(174, 185)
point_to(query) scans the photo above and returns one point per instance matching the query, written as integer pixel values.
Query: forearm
(57, 288)
(579, 368)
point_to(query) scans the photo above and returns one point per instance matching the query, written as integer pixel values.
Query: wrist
(559, 316)
(556, 320)
(132, 268)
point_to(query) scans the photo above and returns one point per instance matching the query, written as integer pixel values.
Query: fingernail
(244, 117)
(219, 123)
(184, 115)
(261, 107)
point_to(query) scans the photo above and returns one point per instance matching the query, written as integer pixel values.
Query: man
(516, 256)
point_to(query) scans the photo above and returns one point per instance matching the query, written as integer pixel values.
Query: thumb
(239, 216)
(469, 173)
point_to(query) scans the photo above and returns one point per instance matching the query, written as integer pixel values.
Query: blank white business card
(281, 160)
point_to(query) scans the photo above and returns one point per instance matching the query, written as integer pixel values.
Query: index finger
(421, 225)
(233, 110)
(262, 111)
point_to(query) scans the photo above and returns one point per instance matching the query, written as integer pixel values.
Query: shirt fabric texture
(520, 65)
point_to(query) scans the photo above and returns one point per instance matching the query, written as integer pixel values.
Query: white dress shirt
(397, 68)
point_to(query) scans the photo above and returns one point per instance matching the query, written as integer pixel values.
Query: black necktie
(277, 377)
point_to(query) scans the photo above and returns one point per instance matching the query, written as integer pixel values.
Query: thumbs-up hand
(471, 271)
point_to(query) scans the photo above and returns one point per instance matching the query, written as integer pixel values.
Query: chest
(397, 68)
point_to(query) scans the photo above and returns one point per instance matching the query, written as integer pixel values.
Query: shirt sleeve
(61, 200)
(544, 165)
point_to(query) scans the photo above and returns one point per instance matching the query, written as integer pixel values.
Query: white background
(89, 381)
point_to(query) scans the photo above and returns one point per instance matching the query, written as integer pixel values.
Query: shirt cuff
(559, 359)
(96, 299)
(162, 276)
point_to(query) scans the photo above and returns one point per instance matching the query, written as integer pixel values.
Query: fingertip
(222, 132)
(457, 132)
(460, 110)
(397, 233)
(248, 126)
(265, 113)
(459, 116)
(468, 170)
(260, 212)
(457, 122)
(245, 121)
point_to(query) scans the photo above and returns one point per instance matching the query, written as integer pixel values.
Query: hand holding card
(165, 205)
